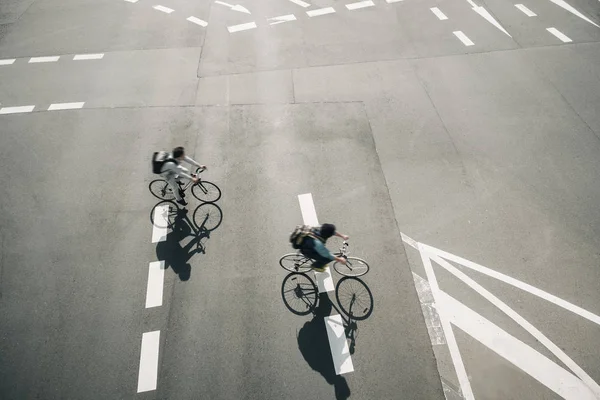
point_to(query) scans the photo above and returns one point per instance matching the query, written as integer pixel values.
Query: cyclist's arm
(193, 162)
(341, 235)
(323, 251)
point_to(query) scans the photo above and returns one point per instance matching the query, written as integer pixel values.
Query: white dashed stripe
(156, 278)
(559, 35)
(7, 62)
(360, 4)
(132, 1)
(340, 353)
(463, 38)
(392, 1)
(16, 110)
(148, 372)
(300, 3)
(65, 106)
(44, 59)
(164, 9)
(281, 19)
(198, 21)
(241, 27)
(438, 13)
(161, 222)
(526, 10)
(320, 11)
(88, 57)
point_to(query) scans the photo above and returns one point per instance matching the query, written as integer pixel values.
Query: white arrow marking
(571, 9)
(485, 14)
(237, 7)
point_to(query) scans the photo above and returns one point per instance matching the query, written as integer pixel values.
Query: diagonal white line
(164, 9)
(198, 21)
(525, 10)
(65, 106)
(301, 3)
(463, 38)
(320, 11)
(360, 4)
(438, 13)
(559, 35)
(573, 10)
(241, 27)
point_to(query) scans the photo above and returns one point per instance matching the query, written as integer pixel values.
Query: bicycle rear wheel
(300, 294)
(208, 216)
(354, 267)
(206, 191)
(161, 189)
(295, 262)
(354, 297)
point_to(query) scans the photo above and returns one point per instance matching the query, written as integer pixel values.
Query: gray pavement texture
(489, 152)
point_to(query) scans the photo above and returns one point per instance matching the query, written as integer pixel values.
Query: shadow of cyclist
(314, 346)
(173, 253)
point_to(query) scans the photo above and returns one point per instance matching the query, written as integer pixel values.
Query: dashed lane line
(526, 10)
(463, 38)
(43, 59)
(320, 11)
(301, 3)
(164, 9)
(336, 333)
(8, 62)
(65, 106)
(80, 57)
(16, 110)
(159, 228)
(156, 279)
(438, 13)
(148, 371)
(281, 19)
(198, 21)
(359, 5)
(241, 27)
(559, 35)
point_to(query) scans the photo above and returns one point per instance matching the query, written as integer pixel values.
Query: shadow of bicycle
(174, 251)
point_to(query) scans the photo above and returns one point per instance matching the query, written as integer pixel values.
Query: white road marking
(526, 10)
(309, 216)
(513, 282)
(16, 110)
(236, 7)
(156, 278)
(538, 366)
(7, 62)
(241, 27)
(340, 353)
(459, 366)
(65, 106)
(164, 9)
(360, 4)
(392, 1)
(148, 371)
(300, 3)
(485, 14)
(512, 314)
(559, 35)
(281, 19)
(159, 229)
(132, 1)
(463, 38)
(198, 21)
(320, 11)
(44, 59)
(432, 317)
(438, 13)
(571, 9)
(88, 57)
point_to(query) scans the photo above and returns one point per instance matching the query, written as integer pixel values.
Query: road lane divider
(34, 60)
(156, 279)
(79, 57)
(161, 220)
(148, 371)
(340, 353)
(16, 110)
(564, 38)
(463, 38)
(65, 106)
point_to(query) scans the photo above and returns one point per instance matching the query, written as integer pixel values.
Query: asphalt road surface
(456, 142)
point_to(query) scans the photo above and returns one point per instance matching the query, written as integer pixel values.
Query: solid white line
(44, 59)
(338, 344)
(532, 330)
(241, 27)
(320, 11)
(148, 371)
(463, 38)
(156, 278)
(514, 282)
(88, 57)
(300, 3)
(360, 4)
(159, 229)
(526, 10)
(16, 110)
(7, 62)
(65, 106)
(538, 366)
(438, 13)
(307, 207)
(281, 19)
(559, 35)
(198, 21)
(430, 313)
(459, 366)
(164, 9)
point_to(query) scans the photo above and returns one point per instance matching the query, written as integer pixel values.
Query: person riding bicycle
(172, 171)
(313, 246)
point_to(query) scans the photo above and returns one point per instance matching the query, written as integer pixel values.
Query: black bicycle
(297, 262)
(203, 190)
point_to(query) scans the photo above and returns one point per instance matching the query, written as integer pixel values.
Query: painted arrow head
(239, 8)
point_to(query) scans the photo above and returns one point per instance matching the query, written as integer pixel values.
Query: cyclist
(313, 246)
(172, 171)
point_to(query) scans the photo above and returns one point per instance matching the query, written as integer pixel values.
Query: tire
(208, 216)
(206, 191)
(295, 262)
(354, 298)
(170, 217)
(299, 293)
(354, 267)
(161, 189)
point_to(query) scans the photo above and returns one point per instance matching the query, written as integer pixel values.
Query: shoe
(182, 202)
(318, 269)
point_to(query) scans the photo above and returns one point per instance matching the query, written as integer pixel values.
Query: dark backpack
(159, 159)
(299, 234)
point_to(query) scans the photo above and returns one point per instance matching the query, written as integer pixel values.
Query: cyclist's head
(178, 152)
(327, 231)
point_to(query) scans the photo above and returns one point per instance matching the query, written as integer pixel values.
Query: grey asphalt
(488, 152)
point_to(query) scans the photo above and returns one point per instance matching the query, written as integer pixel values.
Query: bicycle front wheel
(354, 267)
(161, 189)
(295, 262)
(354, 297)
(206, 191)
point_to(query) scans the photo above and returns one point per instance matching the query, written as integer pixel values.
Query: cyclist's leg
(172, 181)
(319, 261)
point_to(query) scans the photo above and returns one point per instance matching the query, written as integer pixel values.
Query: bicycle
(203, 190)
(298, 262)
